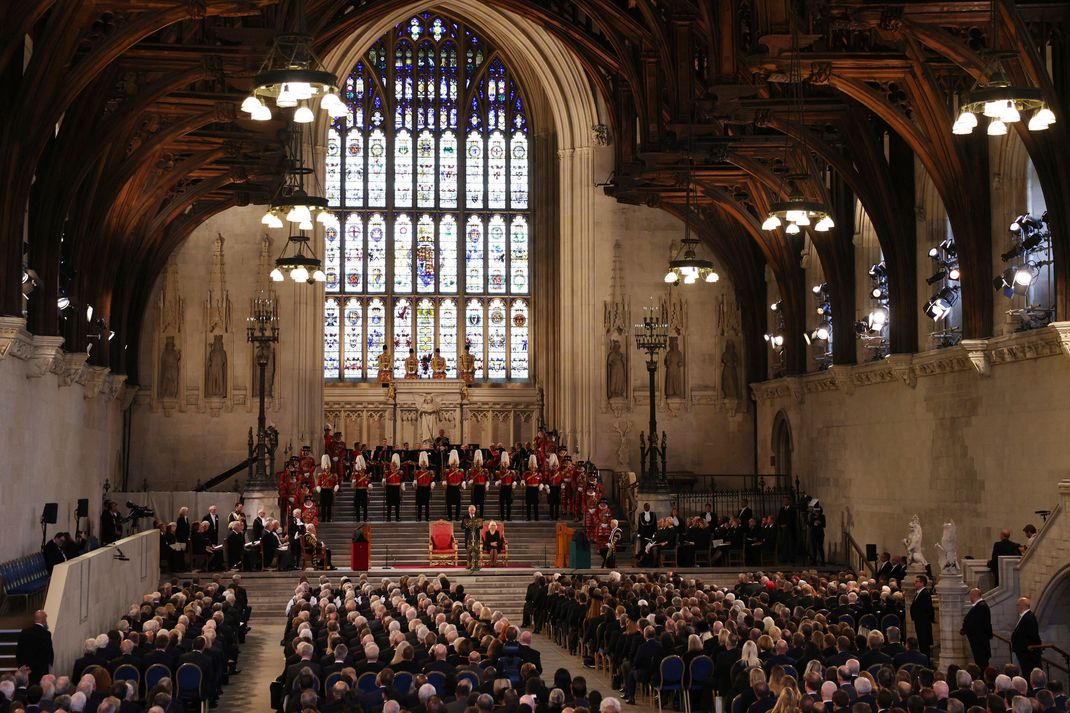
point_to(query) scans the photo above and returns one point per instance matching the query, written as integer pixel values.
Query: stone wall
(189, 425)
(975, 433)
(61, 435)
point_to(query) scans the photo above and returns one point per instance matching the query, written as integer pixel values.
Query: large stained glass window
(430, 176)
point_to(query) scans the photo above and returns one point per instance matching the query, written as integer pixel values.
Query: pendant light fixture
(796, 212)
(298, 199)
(686, 267)
(301, 264)
(997, 100)
(293, 77)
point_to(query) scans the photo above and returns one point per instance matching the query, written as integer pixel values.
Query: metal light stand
(262, 330)
(652, 337)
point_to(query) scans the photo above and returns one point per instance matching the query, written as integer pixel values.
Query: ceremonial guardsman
(609, 552)
(438, 365)
(425, 481)
(601, 536)
(361, 482)
(412, 365)
(307, 462)
(555, 478)
(338, 452)
(384, 363)
(327, 486)
(477, 475)
(466, 365)
(454, 482)
(309, 512)
(533, 484)
(590, 514)
(284, 489)
(506, 483)
(394, 486)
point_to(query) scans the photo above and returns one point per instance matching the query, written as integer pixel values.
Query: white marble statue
(913, 544)
(949, 549)
(428, 416)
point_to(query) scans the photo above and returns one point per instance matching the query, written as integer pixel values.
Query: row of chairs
(188, 681)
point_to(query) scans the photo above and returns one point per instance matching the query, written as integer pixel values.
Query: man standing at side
(977, 628)
(34, 647)
(922, 613)
(1004, 547)
(1026, 633)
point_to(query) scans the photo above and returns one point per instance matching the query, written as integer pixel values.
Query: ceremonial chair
(699, 679)
(366, 682)
(503, 556)
(441, 545)
(155, 674)
(670, 679)
(128, 672)
(189, 686)
(333, 679)
(438, 680)
(403, 682)
(868, 621)
(668, 557)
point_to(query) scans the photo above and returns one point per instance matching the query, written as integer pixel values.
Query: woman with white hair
(454, 483)
(425, 481)
(506, 482)
(533, 483)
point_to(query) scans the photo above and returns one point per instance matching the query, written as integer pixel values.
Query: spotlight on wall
(940, 304)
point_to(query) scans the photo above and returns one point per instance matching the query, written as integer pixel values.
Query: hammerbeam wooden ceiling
(121, 133)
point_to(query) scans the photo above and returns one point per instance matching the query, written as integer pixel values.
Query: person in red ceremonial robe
(590, 513)
(307, 461)
(506, 483)
(478, 475)
(555, 478)
(533, 484)
(328, 439)
(338, 451)
(601, 533)
(309, 512)
(425, 482)
(326, 486)
(454, 482)
(394, 486)
(361, 483)
(566, 480)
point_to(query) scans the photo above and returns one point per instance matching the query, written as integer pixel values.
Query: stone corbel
(69, 368)
(798, 390)
(977, 352)
(46, 352)
(842, 377)
(93, 380)
(902, 366)
(1062, 329)
(113, 385)
(127, 394)
(14, 339)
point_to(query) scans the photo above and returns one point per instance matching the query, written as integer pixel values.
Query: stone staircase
(8, 640)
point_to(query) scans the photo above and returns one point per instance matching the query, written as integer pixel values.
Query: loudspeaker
(50, 513)
(871, 553)
(83, 508)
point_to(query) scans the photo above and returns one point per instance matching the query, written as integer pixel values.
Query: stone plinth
(954, 649)
(266, 499)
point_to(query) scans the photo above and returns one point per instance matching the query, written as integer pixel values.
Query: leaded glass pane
(447, 335)
(403, 169)
(518, 340)
(402, 334)
(518, 255)
(473, 167)
(354, 170)
(447, 170)
(473, 332)
(496, 330)
(425, 254)
(353, 362)
(377, 169)
(331, 319)
(376, 253)
(332, 258)
(402, 253)
(447, 254)
(376, 328)
(425, 327)
(332, 169)
(518, 163)
(496, 252)
(354, 253)
(496, 170)
(473, 255)
(425, 170)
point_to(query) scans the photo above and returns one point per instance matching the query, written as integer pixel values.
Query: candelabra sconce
(262, 331)
(652, 337)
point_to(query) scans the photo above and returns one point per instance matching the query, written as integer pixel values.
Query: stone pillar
(953, 646)
(266, 499)
(907, 585)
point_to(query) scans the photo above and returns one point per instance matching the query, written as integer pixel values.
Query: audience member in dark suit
(922, 613)
(884, 567)
(1026, 633)
(126, 657)
(911, 655)
(34, 647)
(873, 655)
(305, 650)
(212, 518)
(977, 628)
(54, 552)
(643, 664)
(111, 523)
(1004, 547)
(91, 657)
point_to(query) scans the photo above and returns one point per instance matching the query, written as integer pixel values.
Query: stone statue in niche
(269, 374)
(912, 543)
(674, 370)
(427, 411)
(730, 372)
(169, 360)
(616, 374)
(216, 382)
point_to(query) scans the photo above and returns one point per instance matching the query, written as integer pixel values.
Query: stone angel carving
(913, 543)
(949, 549)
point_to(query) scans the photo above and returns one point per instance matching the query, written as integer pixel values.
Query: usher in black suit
(977, 628)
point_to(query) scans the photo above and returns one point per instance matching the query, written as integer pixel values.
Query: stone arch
(781, 445)
(1051, 609)
(564, 108)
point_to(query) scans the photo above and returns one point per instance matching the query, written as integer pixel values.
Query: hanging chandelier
(292, 202)
(293, 77)
(686, 266)
(796, 212)
(301, 264)
(997, 99)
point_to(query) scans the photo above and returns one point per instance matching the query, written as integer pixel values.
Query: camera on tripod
(136, 512)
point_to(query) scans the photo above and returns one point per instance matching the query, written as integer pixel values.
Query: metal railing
(1048, 664)
(725, 493)
(856, 556)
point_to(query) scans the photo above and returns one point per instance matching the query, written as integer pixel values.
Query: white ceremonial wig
(359, 463)
(533, 462)
(325, 462)
(455, 459)
(423, 459)
(552, 461)
(477, 458)
(505, 459)
(395, 462)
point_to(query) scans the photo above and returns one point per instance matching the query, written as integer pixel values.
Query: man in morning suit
(977, 628)
(1026, 633)
(34, 647)
(921, 611)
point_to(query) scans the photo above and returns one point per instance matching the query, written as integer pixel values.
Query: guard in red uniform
(533, 484)
(454, 482)
(307, 461)
(477, 475)
(361, 482)
(506, 483)
(556, 478)
(601, 534)
(326, 486)
(425, 482)
(309, 512)
(394, 486)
